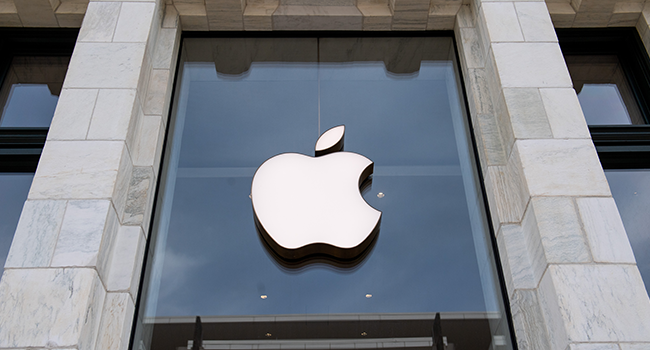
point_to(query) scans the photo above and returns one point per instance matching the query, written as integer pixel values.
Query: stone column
(569, 269)
(73, 271)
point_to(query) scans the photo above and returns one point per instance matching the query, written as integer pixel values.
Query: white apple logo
(312, 206)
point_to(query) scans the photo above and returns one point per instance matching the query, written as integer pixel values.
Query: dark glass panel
(631, 190)
(14, 188)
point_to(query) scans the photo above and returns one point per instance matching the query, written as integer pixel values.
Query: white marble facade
(71, 278)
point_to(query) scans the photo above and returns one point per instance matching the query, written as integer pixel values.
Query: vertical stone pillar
(72, 273)
(569, 269)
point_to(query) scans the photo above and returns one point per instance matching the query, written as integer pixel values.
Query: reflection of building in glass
(570, 277)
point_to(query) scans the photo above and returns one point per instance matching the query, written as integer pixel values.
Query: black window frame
(618, 146)
(20, 148)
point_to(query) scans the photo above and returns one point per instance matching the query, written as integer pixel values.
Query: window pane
(14, 189)
(631, 190)
(30, 91)
(243, 101)
(603, 90)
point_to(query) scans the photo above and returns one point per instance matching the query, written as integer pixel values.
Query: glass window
(427, 278)
(30, 91)
(604, 93)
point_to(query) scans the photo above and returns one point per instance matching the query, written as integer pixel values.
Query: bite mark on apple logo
(309, 207)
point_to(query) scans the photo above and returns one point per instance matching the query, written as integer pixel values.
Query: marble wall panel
(564, 113)
(122, 263)
(605, 231)
(81, 233)
(515, 258)
(608, 346)
(528, 319)
(595, 303)
(259, 16)
(562, 168)
(527, 114)
(531, 65)
(49, 308)
(115, 323)
(99, 22)
(501, 21)
(36, 235)
(535, 22)
(105, 65)
(134, 23)
(71, 169)
(73, 114)
(112, 113)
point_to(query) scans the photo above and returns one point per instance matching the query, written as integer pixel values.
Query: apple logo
(312, 206)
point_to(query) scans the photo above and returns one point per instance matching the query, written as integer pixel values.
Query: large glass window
(32, 68)
(427, 278)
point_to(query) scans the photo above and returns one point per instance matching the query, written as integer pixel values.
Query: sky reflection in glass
(214, 261)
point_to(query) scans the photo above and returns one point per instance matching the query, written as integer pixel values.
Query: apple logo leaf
(311, 207)
(330, 141)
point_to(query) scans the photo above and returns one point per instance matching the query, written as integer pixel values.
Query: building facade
(72, 276)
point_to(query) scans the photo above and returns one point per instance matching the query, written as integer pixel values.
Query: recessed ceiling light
(380, 195)
(368, 295)
(263, 296)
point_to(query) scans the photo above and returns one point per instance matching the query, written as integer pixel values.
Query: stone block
(562, 168)
(515, 258)
(168, 42)
(149, 141)
(528, 320)
(123, 257)
(134, 23)
(501, 21)
(510, 189)
(112, 114)
(376, 16)
(443, 16)
(170, 19)
(50, 308)
(527, 114)
(564, 113)
(553, 234)
(36, 234)
(36, 13)
(99, 22)
(259, 16)
(634, 346)
(605, 231)
(73, 113)
(317, 18)
(140, 191)
(587, 346)
(531, 65)
(471, 50)
(77, 170)
(159, 84)
(535, 22)
(196, 23)
(624, 19)
(465, 17)
(81, 233)
(105, 65)
(594, 303)
(562, 14)
(116, 322)
(70, 14)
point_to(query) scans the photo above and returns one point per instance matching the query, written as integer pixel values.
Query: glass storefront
(428, 278)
